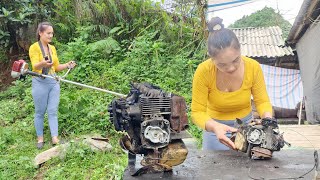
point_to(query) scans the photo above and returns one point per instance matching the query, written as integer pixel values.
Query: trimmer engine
(259, 140)
(19, 68)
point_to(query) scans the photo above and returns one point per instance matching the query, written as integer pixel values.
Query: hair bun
(215, 24)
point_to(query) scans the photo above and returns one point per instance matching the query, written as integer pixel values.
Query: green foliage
(4, 38)
(83, 107)
(64, 19)
(17, 15)
(264, 18)
(105, 46)
(3, 56)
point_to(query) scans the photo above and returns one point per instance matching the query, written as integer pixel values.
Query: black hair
(220, 37)
(42, 27)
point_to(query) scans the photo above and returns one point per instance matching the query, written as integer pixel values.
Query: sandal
(40, 145)
(58, 143)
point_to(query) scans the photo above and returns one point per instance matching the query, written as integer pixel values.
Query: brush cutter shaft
(92, 87)
(75, 83)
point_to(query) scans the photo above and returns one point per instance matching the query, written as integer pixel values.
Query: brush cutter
(20, 70)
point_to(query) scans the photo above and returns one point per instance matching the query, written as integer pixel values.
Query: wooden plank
(303, 125)
(307, 131)
(300, 130)
(299, 138)
(305, 143)
(302, 136)
(300, 126)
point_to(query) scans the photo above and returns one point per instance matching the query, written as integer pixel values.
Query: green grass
(18, 150)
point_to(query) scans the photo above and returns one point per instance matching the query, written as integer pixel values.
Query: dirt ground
(5, 67)
(5, 75)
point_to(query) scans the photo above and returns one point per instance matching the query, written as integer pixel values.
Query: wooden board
(302, 136)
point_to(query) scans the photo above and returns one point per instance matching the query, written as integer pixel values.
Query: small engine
(259, 140)
(155, 122)
(19, 69)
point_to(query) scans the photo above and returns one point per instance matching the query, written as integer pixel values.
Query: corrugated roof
(262, 42)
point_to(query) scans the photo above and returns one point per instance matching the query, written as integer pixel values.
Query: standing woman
(46, 91)
(223, 86)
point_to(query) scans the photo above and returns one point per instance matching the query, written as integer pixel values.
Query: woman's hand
(71, 64)
(46, 63)
(220, 130)
(68, 65)
(267, 115)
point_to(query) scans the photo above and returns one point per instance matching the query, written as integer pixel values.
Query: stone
(98, 143)
(57, 151)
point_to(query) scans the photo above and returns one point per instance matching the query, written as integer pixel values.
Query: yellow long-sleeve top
(210, 103)
(36, 56)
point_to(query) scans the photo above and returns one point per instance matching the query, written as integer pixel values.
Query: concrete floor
(288, 163)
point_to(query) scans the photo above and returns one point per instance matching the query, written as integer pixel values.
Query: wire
(66, 73)
(228, 7)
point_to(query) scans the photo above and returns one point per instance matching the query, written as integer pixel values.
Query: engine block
(154, 121)
(259, 140)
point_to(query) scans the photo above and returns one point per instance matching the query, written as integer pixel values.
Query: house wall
(308, 50)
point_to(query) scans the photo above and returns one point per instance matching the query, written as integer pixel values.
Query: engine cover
(18, 68)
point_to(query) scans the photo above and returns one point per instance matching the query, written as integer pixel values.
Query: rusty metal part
(157, 160)
(240, 142)
(125, 143)
(151, 158)
(153, 168)
(174, 154)
(261, 153)
(179, 118)
(101, 139)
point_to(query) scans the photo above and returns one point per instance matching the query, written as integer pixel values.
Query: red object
(16, 67)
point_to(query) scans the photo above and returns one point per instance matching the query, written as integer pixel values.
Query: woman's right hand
(46, 63)
(220, 130)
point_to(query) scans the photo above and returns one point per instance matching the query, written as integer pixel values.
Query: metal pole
(92, 87)
(75, 83)
(300, 112)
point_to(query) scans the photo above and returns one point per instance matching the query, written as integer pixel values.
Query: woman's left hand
(71, 64)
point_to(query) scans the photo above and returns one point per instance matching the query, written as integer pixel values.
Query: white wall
(308, 50)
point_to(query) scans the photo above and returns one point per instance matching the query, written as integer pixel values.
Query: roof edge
(300, 26)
